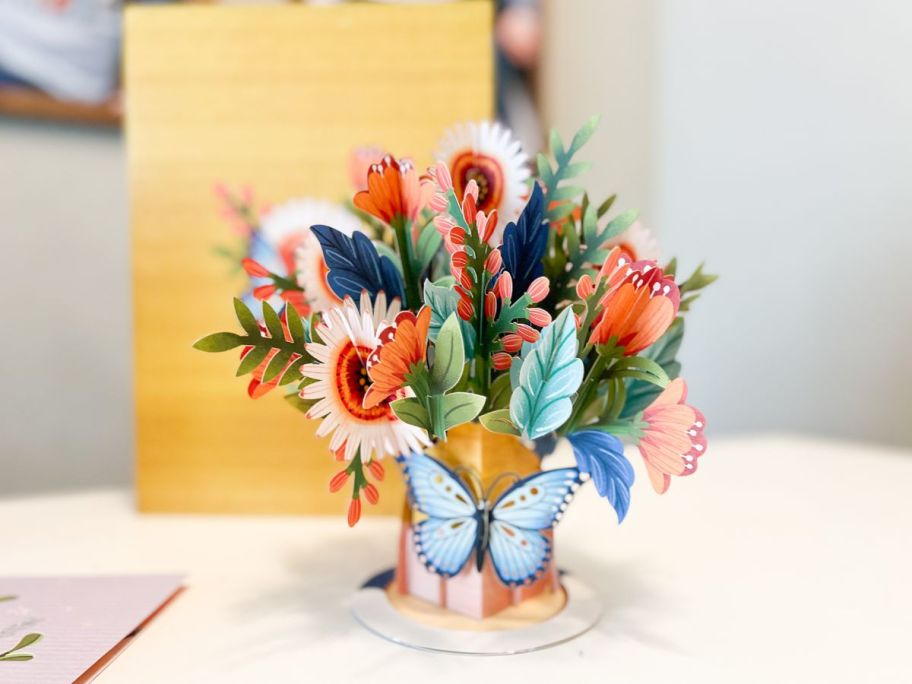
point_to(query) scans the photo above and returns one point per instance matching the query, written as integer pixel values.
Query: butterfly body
(509, 530)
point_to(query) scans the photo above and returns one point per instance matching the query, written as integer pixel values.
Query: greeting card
(58, 630)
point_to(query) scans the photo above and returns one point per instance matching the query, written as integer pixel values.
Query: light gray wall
(772, 139)
(65, 356)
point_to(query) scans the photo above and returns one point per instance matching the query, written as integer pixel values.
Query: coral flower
(640, 304)
(402, 345)
(394, 191)
(349, 334)
(488, 154)
(672, 439)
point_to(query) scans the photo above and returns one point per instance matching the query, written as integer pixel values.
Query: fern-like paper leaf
(354, 265)
(549, 375)
(525, 242)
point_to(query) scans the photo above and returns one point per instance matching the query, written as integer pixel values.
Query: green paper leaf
(461, 407)
(412, 412)
(664, 351)
(500, 391)
(544, 169)
(590, 224)
(583, 134)
(605, 206)
(295, 325)
(640, 368)
(449, 356)
(276, 365)
(273, 324)
(429, 242)
(619, 224)
(566, 192)
(499, 421)
(555, 145)
(246, 318)
(218, 342)
(27, 640)
(21, 658)
(292, 373)
(299, 403)
(252, 359)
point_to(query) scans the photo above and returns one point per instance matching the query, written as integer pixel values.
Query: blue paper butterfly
(511, 529)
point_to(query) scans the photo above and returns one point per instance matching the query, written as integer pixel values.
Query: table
(783, 559)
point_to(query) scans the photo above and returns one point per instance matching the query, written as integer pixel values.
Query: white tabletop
(780, 560)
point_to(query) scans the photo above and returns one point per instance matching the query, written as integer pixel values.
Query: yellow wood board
(273, 96)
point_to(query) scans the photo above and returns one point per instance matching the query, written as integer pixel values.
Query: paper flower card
(461, 321)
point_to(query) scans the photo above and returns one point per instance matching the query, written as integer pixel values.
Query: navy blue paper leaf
(601, 455)
(354, 265)
(525, 242)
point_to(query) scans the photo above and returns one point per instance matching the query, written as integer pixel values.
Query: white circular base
(372, 608)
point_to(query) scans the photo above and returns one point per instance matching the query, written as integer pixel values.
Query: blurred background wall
(65, 350)
(771, 139)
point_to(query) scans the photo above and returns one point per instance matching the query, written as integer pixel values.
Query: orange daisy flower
(639, 306)
(394, 191)
(402, 345)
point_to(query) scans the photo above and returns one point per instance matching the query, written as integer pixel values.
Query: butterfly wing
(519, 550)
(445, 540)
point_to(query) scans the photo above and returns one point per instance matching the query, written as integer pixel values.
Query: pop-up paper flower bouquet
(462, 322)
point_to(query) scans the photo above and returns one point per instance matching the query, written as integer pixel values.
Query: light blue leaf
(550, 373)
(442, 297)
(601, 455)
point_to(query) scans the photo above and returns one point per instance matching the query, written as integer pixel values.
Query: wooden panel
(273, 96)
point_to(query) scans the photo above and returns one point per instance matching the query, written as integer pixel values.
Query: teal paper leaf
(549, 375)
(442, 297)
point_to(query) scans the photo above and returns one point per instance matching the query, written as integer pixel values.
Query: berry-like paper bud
(539, 289)
(539, 317)
(501, 360)
(511, 342)
(528, 333)
(493, 262)
(505, 286)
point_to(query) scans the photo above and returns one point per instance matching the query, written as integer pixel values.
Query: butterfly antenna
(472, 479)
(492, 488)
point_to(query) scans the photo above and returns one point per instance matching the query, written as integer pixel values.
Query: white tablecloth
(782, 560)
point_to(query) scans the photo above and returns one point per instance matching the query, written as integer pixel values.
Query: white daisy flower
(286, 227)
(638, 241)
(489, 154)
(349, 335)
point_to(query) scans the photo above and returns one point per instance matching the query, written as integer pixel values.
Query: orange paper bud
(338, 481)
(254, 268)
(371, 494)
(354, 512)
